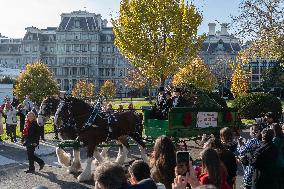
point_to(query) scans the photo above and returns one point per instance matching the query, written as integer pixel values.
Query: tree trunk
(162, 81)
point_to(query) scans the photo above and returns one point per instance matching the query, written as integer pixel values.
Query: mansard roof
(79, 20)
(229, 47)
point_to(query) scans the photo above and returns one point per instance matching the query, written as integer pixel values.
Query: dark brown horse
(72, 116)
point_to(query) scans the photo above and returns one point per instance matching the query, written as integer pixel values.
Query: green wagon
(186, 122)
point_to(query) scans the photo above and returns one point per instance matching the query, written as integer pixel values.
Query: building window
(68, 48)
(101, 72)
(54, 70)
(69, 60)
(120, 73)
(74, 71)
(113, 72)
(65, 71)
(108, 49)
(74, 81)
(66, 84)
(84, 48)
(76, 60)
(77, 24)
(77, 48)
(61, 60)
(82, 71)
(107, 72)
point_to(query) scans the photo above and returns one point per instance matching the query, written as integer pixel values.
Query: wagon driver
(178, 100)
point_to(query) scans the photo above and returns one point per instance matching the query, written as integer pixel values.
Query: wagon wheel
(202, 139)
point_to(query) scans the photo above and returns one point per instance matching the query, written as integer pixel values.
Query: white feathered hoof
(122, 155)
(63, 157)
(75, 167)
(84, 177)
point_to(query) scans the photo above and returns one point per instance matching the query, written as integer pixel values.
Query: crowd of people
(31, 132)
(10, 109)
(261, 157)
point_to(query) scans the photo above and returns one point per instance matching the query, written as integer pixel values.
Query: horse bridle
(45, 114)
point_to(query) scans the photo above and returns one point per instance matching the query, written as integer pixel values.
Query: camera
(260, 120)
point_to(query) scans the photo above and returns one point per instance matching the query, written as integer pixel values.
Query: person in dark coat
(22, 114)
(265, 163)
(31, 134)
(178, 100)
(161, 98)
(168, 104)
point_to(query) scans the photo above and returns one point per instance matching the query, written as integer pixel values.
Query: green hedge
(257, 104)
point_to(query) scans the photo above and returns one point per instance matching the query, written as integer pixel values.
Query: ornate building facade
(218, 51)
(81, 47)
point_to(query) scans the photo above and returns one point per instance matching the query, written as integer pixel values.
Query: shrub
(257, 104)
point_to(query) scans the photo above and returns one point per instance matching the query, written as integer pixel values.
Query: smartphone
(182, 156)
(182, 159)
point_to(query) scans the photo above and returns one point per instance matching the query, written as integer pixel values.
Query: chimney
(212, 28)
(224, 29)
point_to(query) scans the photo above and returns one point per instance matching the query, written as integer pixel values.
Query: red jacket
(26, 128)
(204, 179)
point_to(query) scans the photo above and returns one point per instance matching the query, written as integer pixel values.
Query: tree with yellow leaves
(197, 73)
(157, 36)
(240, 82)
(108, 90)
(84, 90)
(261, 22)
(36, 81)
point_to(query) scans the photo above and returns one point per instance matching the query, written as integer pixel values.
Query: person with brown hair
(109, 175)
(212, 171)
(163, 161)
(227, 158)
(227, 139)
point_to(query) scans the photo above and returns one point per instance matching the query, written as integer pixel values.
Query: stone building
(10, 52)
(81, 47)
(218, 50)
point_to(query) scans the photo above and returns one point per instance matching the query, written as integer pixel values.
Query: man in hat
(161, 98)
(168, 104)
(178, 100)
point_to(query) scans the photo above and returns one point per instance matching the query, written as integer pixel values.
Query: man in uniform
(161, 98)
(178, 100)
(168, 103)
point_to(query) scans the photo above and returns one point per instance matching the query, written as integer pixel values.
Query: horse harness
(71, 123)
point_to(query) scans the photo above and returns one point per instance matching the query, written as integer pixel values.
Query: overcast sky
(16, 15)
